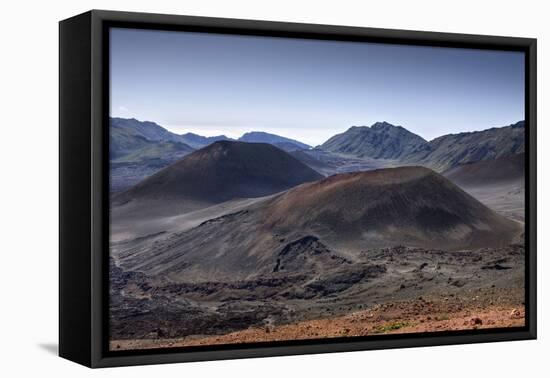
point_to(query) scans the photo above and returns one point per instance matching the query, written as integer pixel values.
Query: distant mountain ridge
(154, 132)
(140, 149)
(146, 129)
(451, 150)
(382, 140)
(276, 140)
(130, 135)
(198, 141)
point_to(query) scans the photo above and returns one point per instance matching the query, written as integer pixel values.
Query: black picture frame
(83, 180)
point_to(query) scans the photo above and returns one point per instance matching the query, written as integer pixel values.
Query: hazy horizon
(199, 131)
(308, 90)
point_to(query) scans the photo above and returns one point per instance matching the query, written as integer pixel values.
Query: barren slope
(499, 183)
(324, 224)
(217, 173)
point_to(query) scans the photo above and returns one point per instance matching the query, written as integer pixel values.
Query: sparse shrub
(390, 327)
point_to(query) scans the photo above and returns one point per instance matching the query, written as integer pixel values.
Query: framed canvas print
(233, 188)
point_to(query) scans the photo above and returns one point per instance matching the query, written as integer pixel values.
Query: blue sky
(308, 90)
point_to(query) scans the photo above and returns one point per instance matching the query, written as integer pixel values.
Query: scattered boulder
(476, 321)
(515, 314)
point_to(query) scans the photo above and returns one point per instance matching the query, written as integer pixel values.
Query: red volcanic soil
(430, 314)
(409, 205)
